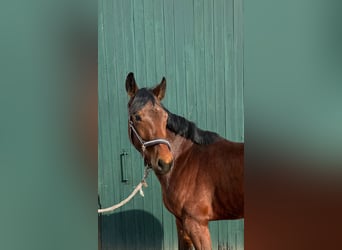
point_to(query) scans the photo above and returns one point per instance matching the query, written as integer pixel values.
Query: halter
(145, 144)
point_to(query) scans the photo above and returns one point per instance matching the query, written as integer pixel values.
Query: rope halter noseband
(145, 144)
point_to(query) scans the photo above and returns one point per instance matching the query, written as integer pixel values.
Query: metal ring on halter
(145, 144)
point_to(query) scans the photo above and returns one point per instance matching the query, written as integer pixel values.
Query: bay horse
(200, 173)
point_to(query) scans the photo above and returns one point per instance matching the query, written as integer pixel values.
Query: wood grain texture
(198, 47)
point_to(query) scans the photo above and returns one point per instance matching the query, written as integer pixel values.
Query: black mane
(189, 130)
(175, 123)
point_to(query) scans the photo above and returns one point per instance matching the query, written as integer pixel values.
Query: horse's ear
(159, 90)
(131, 85)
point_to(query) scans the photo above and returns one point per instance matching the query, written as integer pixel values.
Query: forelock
(142, 97)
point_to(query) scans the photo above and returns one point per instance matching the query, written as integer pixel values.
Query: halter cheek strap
(145, 144)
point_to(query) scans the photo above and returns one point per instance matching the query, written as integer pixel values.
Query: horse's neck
(179, 144)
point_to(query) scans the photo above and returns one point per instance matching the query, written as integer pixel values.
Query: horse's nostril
(161, 164)
(164, 166)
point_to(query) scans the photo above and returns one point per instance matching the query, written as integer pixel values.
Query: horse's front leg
(184, 241)
(198, 232)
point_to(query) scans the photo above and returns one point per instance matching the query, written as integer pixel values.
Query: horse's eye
(137, 117)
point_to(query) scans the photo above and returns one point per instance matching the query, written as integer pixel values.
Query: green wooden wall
(198, 46)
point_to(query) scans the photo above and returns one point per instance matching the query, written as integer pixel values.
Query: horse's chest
(174, 199)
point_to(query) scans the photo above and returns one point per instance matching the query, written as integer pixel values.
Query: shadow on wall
(133, 229)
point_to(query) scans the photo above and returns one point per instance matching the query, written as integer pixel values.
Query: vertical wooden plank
(238, 68)
(129, 66)
(103, 100)
(139, 42)
(160, 65)
(113, 57)
(103, 126)
(189, 57)
(199, 82)
(179, 57)
(101, 106)
(116, 107)
(241, 236)
(219, 81)
(170, 62)
(229, 66)
(209, 65)
(110, 90)
(106, 98)
(150, 63)
(119, 114)
(128, 34)
(214, 233)
(227, 27)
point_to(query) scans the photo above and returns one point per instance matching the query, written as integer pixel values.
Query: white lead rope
(137, 188)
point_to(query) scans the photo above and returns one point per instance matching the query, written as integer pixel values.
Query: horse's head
(147, 124)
